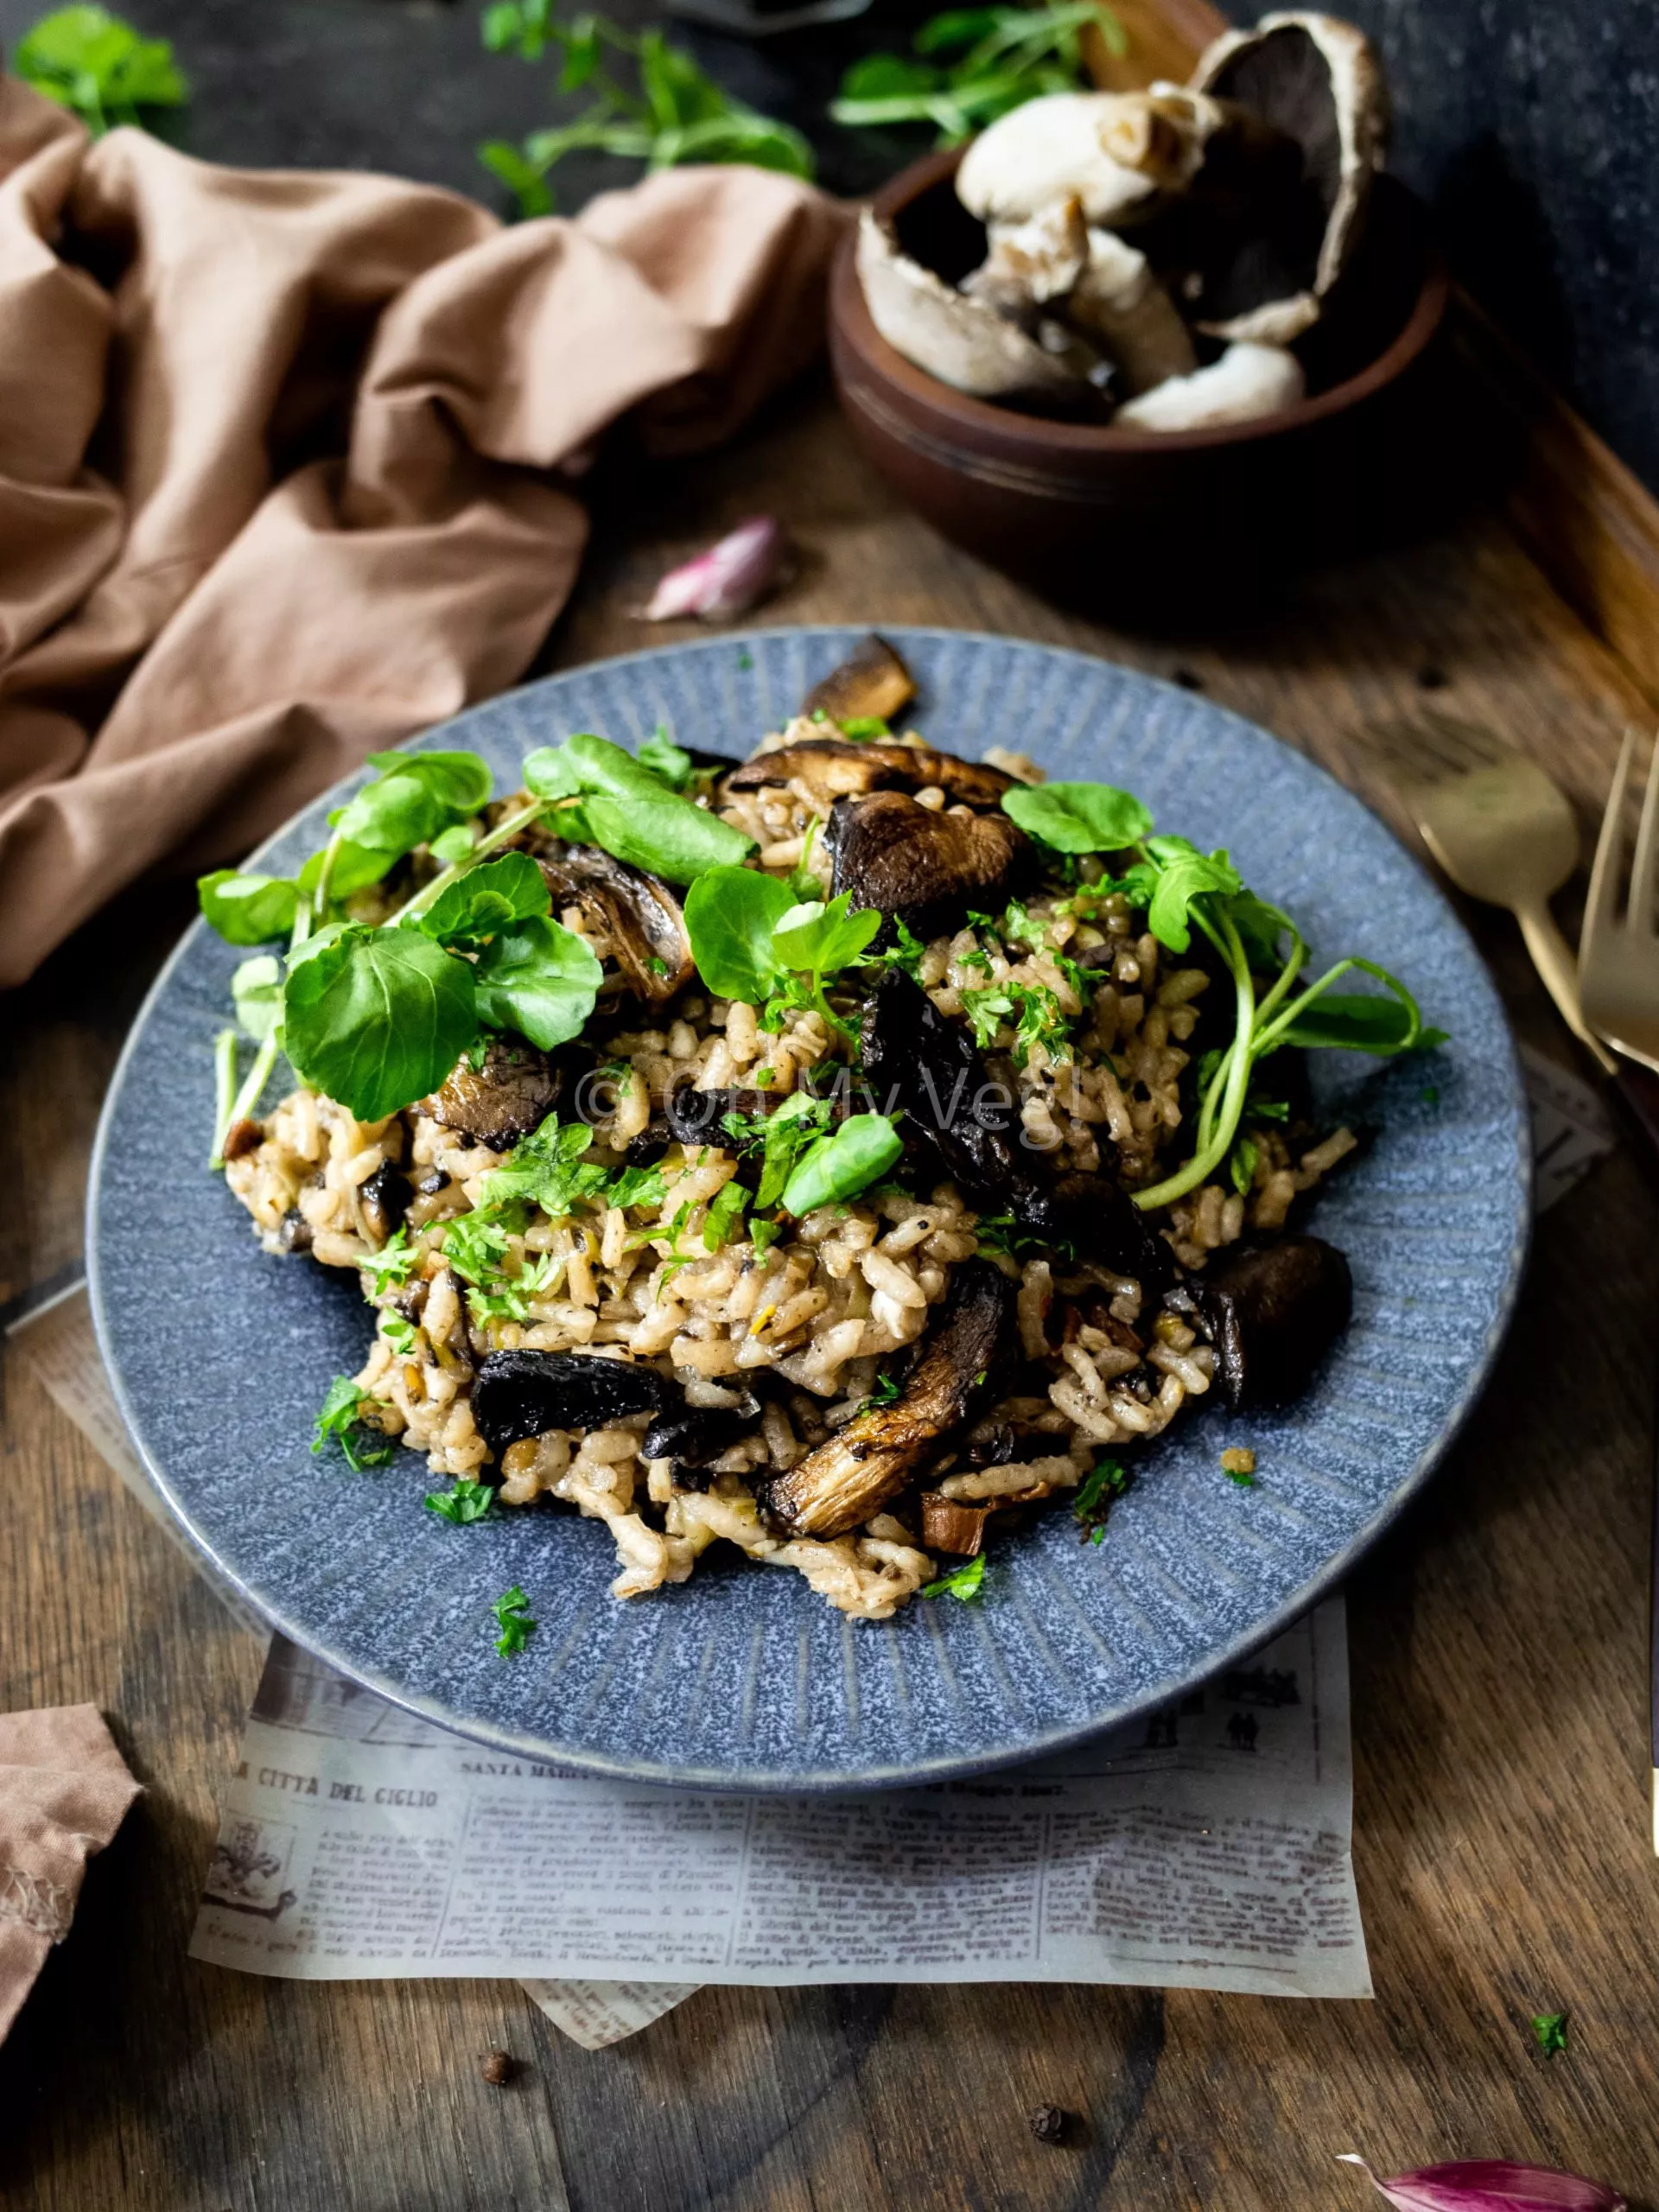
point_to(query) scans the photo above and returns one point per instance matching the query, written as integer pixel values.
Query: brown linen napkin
(64, 1791)
(275, 456)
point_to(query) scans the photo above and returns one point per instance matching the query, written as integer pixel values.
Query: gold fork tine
(1646, 863)
(1601, 907)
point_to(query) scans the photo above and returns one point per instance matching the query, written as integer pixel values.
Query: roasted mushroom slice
(522, 1394)
(950, 1526)
(383, 1200)
(696, 1436)
(830, 768)
(919, 1059)
(1272, 1312)
(878, 1451)
(1319, 81)
(960, 340)
(871, 685)
(698, 1117)
(512, 1092)
(641, 917)
(927, 868)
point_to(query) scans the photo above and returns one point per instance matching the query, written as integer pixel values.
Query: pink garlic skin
(726, 580)
(1491, 2185)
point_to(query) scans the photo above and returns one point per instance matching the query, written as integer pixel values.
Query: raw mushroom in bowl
(1153, 257)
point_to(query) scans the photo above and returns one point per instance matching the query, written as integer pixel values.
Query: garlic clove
(728, 579)
(1489, 2186)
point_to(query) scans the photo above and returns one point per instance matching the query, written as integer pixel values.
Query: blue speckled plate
(742, 1677)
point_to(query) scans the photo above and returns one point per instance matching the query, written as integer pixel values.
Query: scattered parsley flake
(965, 1582)
(338, 1418)
(393, 1263)
(399, 1333)
(511, 1611)
(724, 1218)
(1549, 2030)
(461, 1504)
(1104, 1483)
(746, 660)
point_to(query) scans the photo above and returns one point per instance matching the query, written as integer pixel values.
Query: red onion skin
(1493, 2185)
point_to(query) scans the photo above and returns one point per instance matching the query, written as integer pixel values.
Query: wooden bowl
(1078, 506)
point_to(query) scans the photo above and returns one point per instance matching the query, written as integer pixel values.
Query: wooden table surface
(1499, 1642)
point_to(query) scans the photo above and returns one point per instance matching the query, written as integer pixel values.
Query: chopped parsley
(511, 1611)
(393, 1264)
(966, 1582)
(883, 1393)
(462, 1503)
(1549, 2030)
(338, 1418)
(1241, 1164)
(1100, 1489)
(866, 726)
(763, 1235)
(724, 1218)
(906, 951)
(508, 1297)
(399, 1333)
(475, 1245)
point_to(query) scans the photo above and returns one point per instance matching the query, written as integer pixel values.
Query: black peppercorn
(1048, 2124)
(498, 2068)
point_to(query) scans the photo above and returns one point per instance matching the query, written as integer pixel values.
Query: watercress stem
(325, 884)
(1238, 1069)
(223, 1092)
(241, 1108)
(502, 834)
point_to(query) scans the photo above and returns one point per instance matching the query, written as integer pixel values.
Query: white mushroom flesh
(1031, 263)
(1247, 382)
(959, 339)
(1119, 304)
(1117, 151)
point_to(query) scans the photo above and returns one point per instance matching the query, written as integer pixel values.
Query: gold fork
(1503, 832)
(1619, 962)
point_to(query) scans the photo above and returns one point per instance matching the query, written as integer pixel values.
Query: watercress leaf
(822, 940)
(1078, 817)
(92, 63)
(1361, 1023)
(550, 772)
(462, 780)
(603, 766)
(957, 28)
(667, 759)
(724, 1217)
(730, 915)
(1185, 874)
(887, 76)
(839, 1165)
(486, 901)
(522, 177)
(666, 836)
(354, 869)
(1241, 1165)
(538, 977)
(248, 909)
(393, 815)
(376, 1018)
(257, 989)
(454, 844)
(1260, 927)
(966, 1582)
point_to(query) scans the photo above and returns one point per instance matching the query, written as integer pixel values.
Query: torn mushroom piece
(639, 918)
(1121, 304)
(828, 768)
(1320, 82)
(517, 1394)
(698, 1117)
(949, 1525)
(878, 1452)
(925, 867)
(510, 1092)
(872, 685)
(1247, 382)
(1032, 263)
(1272, 1312)
(961, 340)
(696, 1436)
(1124, 156)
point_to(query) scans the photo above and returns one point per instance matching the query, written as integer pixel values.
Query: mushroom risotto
(834, 1156)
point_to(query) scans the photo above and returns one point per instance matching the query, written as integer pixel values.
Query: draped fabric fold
(283, 466)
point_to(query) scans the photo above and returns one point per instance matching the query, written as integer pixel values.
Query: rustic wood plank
(1498, 1647)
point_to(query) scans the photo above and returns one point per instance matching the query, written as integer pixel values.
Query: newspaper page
(1207, 1848)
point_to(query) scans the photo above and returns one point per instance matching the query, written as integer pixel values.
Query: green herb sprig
(99, 68)
(650, 102)
(512, 1618)
(971, 65)
(1184, 890)
(339, 1420)
(966, 1582)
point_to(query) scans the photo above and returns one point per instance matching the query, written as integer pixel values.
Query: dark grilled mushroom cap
(1272, 1312)
(383, 1200)
(928, 868)
(696, 1436)
(873, 682)
(641, 917)
(837, 767)
(697, 1116)
(522, 1394)
(878, 1451)
(929, 1064)
(513, 1092)
(1319, 81)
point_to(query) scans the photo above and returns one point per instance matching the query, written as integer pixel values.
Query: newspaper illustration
(1207, 1848)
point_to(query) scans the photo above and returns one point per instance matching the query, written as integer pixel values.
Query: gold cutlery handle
(1551, 956)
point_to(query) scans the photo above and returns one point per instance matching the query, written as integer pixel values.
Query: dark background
(1531, 125)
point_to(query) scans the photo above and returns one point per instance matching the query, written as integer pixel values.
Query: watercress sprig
(1182, 890)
